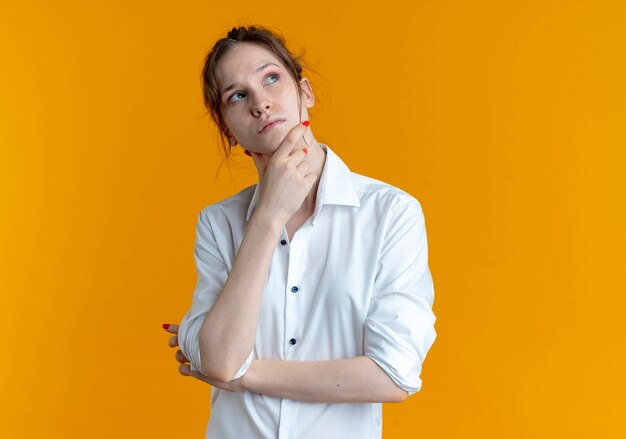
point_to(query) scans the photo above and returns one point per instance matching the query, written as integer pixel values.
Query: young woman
(313, 303)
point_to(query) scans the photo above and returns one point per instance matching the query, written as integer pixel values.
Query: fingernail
(305, 123)
(246, 152)
(305, 150)
(166, 325)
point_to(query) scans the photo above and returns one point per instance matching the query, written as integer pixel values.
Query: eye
(276, 75)
(231, 100)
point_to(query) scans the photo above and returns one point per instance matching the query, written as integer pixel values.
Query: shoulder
(233, 208)
(378, 194)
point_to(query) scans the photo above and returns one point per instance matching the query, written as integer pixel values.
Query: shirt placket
(293, 329)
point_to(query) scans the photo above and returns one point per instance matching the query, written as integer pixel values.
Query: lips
(270, 123)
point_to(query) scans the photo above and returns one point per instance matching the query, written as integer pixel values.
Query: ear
(307, 91)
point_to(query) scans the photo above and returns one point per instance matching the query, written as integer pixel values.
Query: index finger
(292, 138)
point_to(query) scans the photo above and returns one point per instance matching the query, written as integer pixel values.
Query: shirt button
(283, 242)
(294, 289)
(292, 341)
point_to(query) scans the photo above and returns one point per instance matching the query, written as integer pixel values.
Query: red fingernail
(246, 152)
(305, 123)
(305, 150)
(166, 325)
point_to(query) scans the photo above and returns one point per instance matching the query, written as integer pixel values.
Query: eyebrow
(231, 86)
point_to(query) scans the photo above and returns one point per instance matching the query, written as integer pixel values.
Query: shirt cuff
(244, 368)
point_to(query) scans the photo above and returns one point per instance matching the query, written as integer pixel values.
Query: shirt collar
(335, 185)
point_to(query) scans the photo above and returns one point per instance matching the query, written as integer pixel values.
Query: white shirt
(353, 281)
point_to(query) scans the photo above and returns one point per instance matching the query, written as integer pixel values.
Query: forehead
(242, 60)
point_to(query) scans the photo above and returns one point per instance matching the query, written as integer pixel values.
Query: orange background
(505, 119)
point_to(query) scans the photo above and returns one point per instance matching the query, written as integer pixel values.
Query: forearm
(228, 332)
(350, 380)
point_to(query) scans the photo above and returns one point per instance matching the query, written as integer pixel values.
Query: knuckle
(288, 167)
(293, 136)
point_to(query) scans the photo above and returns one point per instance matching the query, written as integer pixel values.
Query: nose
(260, 103)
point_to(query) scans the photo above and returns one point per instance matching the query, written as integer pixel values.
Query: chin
(263, 149)
(272, 145)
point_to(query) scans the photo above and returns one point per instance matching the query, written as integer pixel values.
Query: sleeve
(399, 328)
(212, 274)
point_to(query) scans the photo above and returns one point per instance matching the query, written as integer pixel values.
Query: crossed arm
(350, 380)
(404, 297)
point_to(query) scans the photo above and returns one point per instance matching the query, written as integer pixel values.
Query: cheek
(289, 98)
(230, 119)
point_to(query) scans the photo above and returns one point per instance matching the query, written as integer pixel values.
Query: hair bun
(237, 33)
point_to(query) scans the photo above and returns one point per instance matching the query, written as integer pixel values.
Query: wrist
(269, 220)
